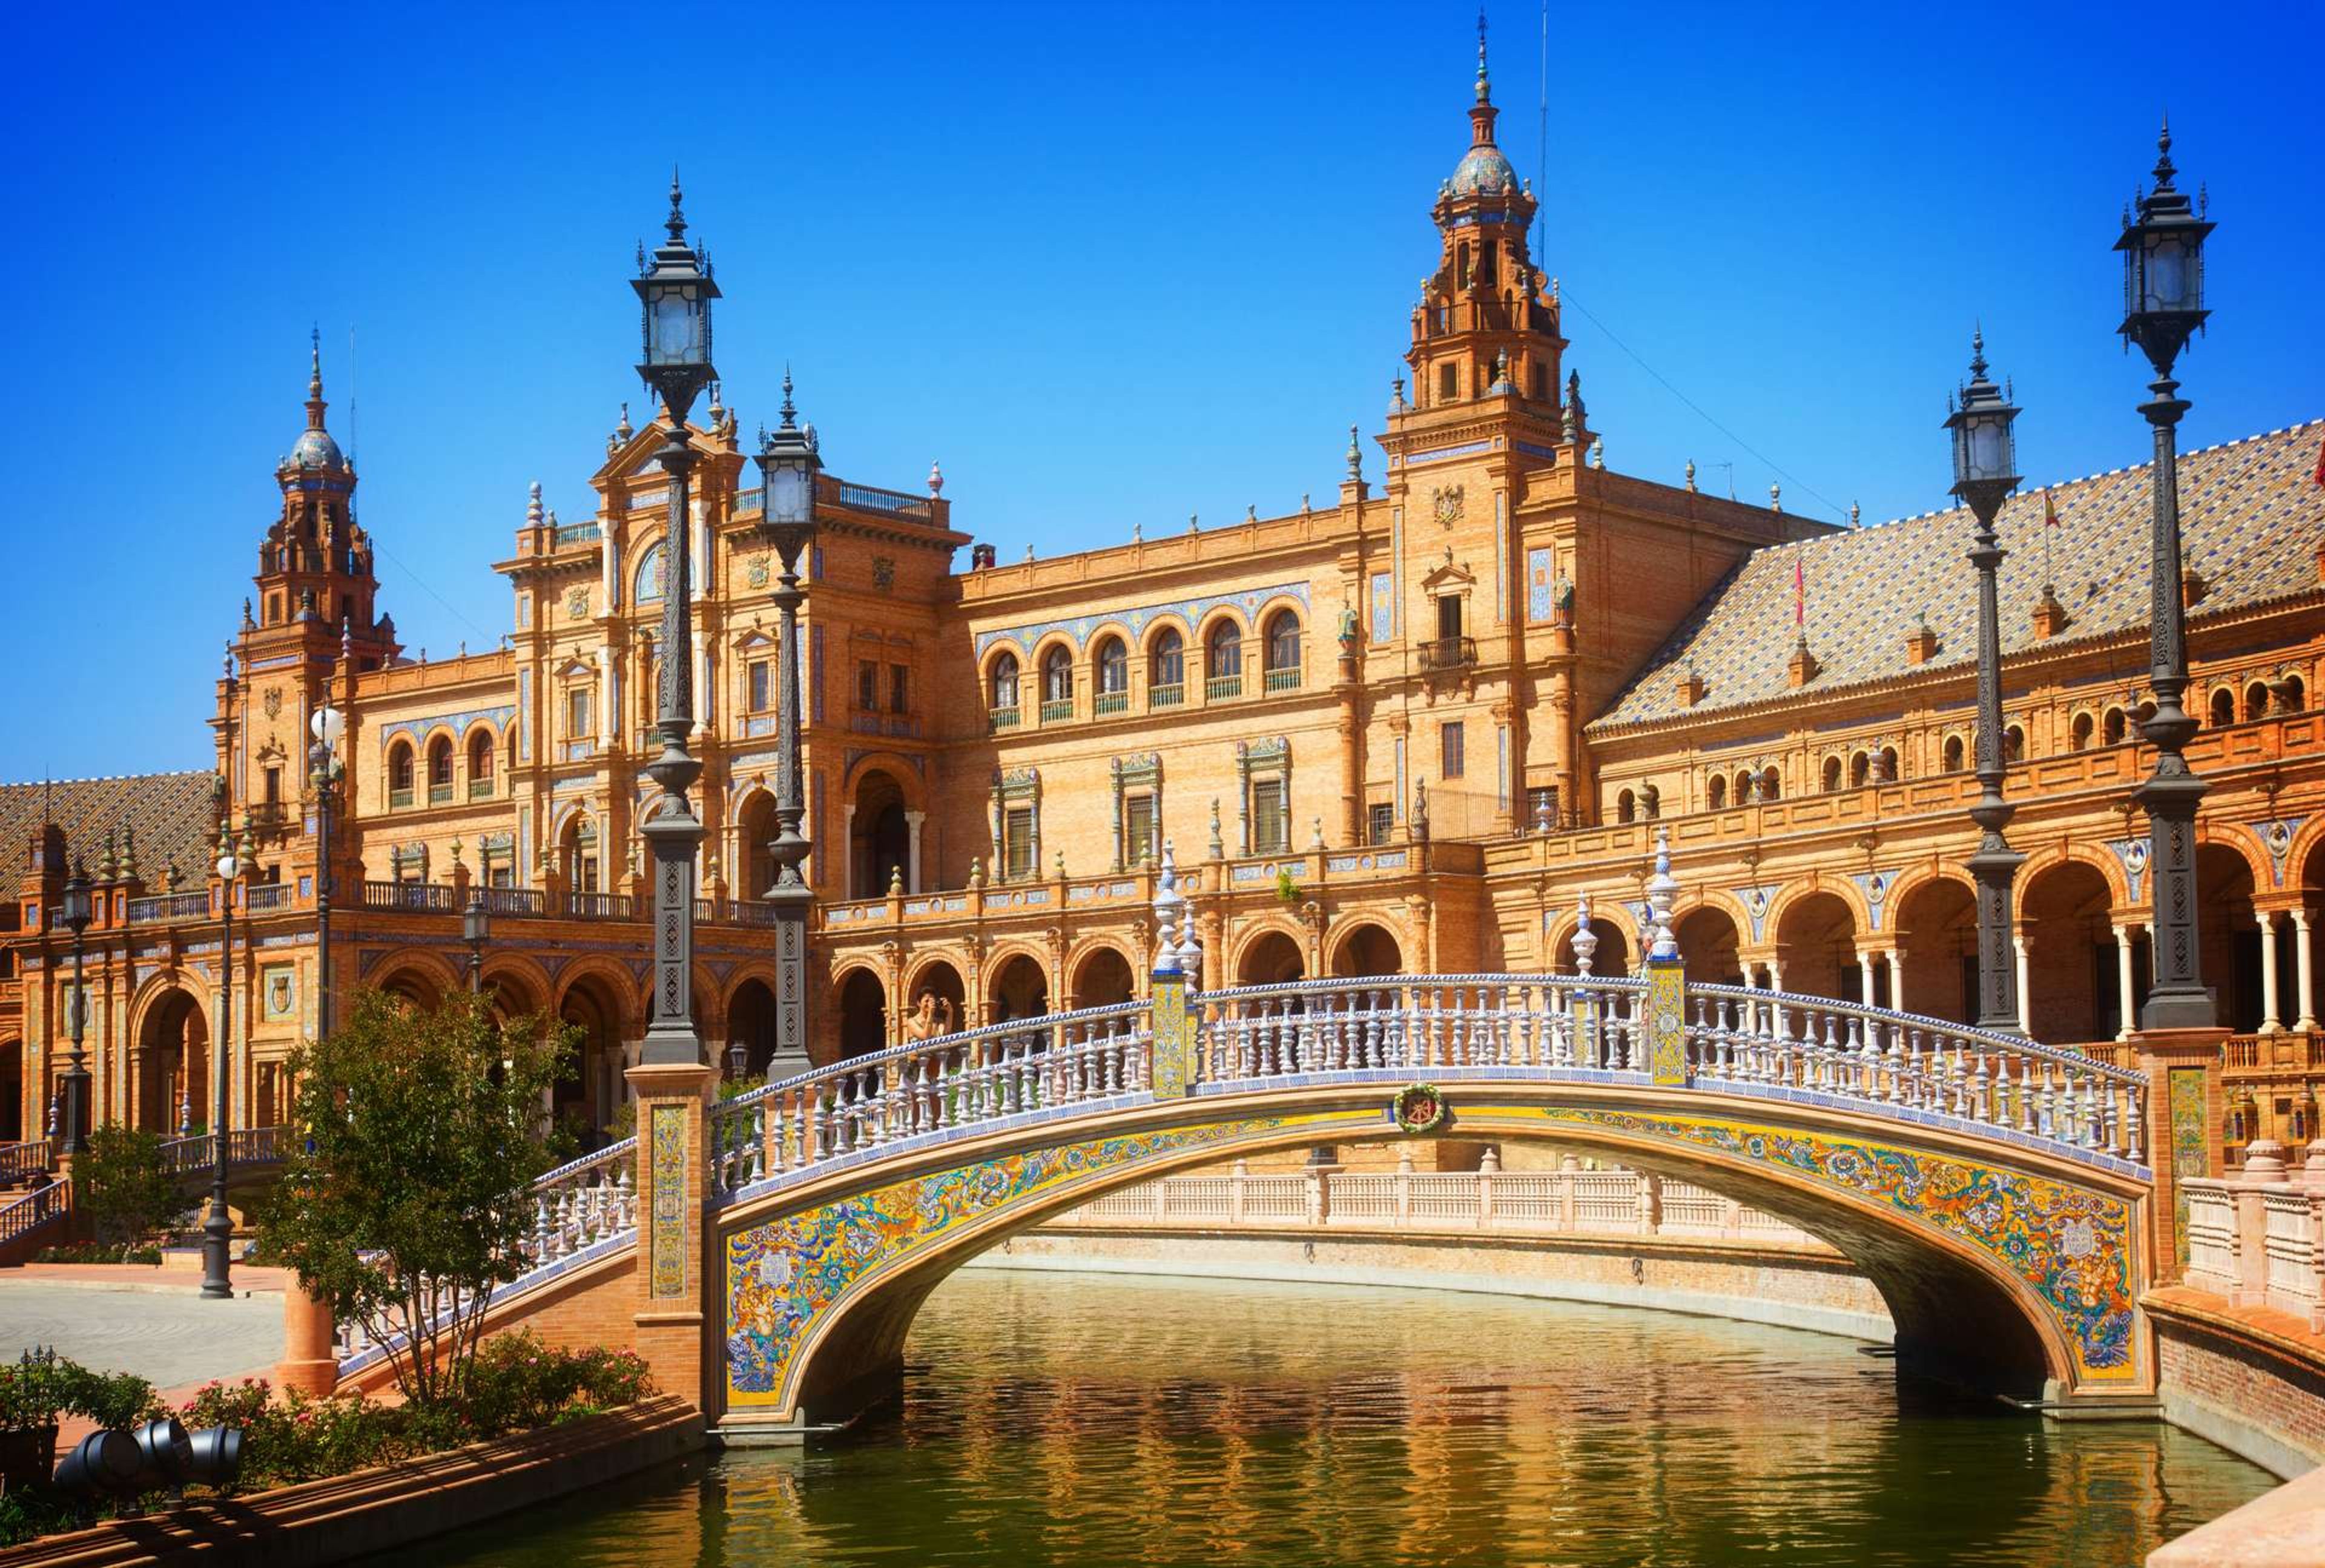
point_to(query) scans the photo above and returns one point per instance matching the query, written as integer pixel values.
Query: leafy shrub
(518, 1383)
(124, 1187)
(99, 1252)
(36, 1389)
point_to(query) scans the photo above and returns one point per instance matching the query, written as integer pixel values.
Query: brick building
(1405, 727)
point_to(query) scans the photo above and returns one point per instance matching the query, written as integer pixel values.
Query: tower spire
(314, 377)
(1485, 88)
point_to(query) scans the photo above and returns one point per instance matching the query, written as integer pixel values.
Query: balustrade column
(2125, 1006)
(2270, 1019)
(912, 820)
(1865, 975)
(1896, 980)
(2304, 961)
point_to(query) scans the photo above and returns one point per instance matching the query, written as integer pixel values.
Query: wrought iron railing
(424, 897)
(516, 901)
(599, 906)
(252, 1145)
(267, 896)
(1215, 687)
(1168, 696)
(1106, 703)
(1003, 718)
(1275, 681)
(1449, 653)
(19, 1160)
(576, 532)
(28, 1211)
(1057, 709)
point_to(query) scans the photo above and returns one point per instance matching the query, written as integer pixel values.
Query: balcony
(1217, 687)
(1057, 709)
(1170, 696)
(515, 901)
(1449, 653)
(1108, 702)
(427, 897)
(1276, 681)
(440, 795)
(480, 789)
(268, 895)
(1002, 719)
(400, 798)
(598, 905)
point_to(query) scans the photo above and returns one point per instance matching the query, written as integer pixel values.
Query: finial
(1305, 507)
(1597, 452)
(1169, 904)
(1029, 554)
(1355, 457)
(1977, 349)
(1194, 523)
(676, 221)
(129, 851)
(622, 430)
(533, 506)
(1138, 532)
(1250, 512)
(936, 480)
(717, 409)
(1854, 522)
(1218, 847)
(314, 361)
(1585, 941)
(1775, 496)
(2164, 169)
(1484, 90)
(1690, 475)
(1396, 386)
(1661, 888)
(789, 413)
(1501, 367)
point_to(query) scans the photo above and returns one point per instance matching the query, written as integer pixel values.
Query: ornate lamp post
(1986, 471)
(217, 1229)
(324, 770)
(674, 295)
(788, 464)
(476, 930)
(78, 912)
(2162, 304)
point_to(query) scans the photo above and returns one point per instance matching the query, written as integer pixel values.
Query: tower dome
(1483, 171)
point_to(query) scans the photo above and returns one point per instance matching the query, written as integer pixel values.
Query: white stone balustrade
(2258, 1239)
(1572, 1202)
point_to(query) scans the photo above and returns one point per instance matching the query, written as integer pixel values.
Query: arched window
(2143, 713)
(1166, 669)
(480, 763)
(1953, 754)
(1282, 651)
(1223, 661)
(1057, 685)
(645, 586)
(399, 774)
(1626, 807)
(2224, 708)
(2079, 734)
(2013, 745)
(1650, 801)
(1888, 759)
(440, 770)
(1112, 663)
(1714, 794)
(1771, 785)
(2289, 695)
(1004, 688)
(1744, 790)
(2115, 726)
(2256, 700)
(1860, 770)
(1831, 774)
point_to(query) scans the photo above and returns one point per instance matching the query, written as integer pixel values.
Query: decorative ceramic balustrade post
(1666, 999)
(1175, 1061)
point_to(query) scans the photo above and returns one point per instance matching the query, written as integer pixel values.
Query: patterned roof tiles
(171, 813)
(2252, 515)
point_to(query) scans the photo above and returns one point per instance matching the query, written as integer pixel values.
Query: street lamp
(475, 928)
(323, 772)
(217, 1229)
(2162, 304)
(1986, 471)
(78, 913)
(788, 464)
(674, 295)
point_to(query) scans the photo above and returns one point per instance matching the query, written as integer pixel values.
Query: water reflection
(1097, 1419)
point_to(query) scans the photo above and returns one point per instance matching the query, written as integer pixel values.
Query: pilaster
(676, 1282)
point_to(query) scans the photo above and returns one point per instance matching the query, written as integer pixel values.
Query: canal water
(1104, 1419)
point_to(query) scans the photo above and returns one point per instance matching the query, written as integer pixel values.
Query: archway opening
(2231, 936)
(1272, 959)
(12, 1092)
(863, 1013)
(1610, 960)
(172, 1062)
(1816, 949)
(754, 854)
(2070, 960)
(751, 1024)
(1368, 949)
(1708, 941)
(939, 1001)
(1936, 951)
(1103, 977)
(1020, 989)
(588, 1093)
(879, 839)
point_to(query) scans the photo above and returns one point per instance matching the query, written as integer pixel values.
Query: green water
(1062, 1418)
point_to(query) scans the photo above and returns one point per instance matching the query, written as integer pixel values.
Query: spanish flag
(1800, 596)
(2050, 511)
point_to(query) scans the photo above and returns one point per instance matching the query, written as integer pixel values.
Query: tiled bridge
(768, 1253)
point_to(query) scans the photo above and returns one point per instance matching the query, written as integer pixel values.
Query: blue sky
(1109, 265)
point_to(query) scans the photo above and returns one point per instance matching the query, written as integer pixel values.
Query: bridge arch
(2015, 1275)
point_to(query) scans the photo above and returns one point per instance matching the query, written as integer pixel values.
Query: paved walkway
(156, 1327)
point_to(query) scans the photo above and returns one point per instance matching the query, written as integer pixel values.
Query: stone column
(1896, 980)
(2271, 1020)
(2126, 1008)
(2304, 972)
(847, 854)
(310, 1361)
(1865, 975)
(912, 820)
(674, 1282)
(2025, 1003)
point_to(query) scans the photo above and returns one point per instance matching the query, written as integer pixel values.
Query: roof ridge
(34, 783)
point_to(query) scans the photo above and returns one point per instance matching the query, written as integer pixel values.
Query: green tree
(123, 1186)
(406, 1197)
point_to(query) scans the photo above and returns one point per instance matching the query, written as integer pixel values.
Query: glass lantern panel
(787, 493)
(2167, 275)
(1985, 450)
(677, 329)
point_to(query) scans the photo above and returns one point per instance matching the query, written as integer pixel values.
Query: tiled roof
(171, 811)
(2252, 515)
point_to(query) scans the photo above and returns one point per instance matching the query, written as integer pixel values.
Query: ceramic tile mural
(2072, 1246)
(668, 1214)
(2190, 1153)
(783, 1276)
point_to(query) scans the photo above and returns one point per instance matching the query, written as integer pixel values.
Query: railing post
(1404, 1187)
(1650, 1201)
(1320, 1194)
(2185, 1110)
(1237, 1199)
(1486, 1166)
(673, 1172)
(2264, 1173)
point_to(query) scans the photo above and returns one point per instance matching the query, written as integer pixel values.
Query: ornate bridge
(768, 1253)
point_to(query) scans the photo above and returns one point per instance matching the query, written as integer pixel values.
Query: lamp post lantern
(789, 462)
(1986, 471)
(217, 1229)
(674, 294)
(78, 912)
(2163, 306)
(324, 770)
(476, 930)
